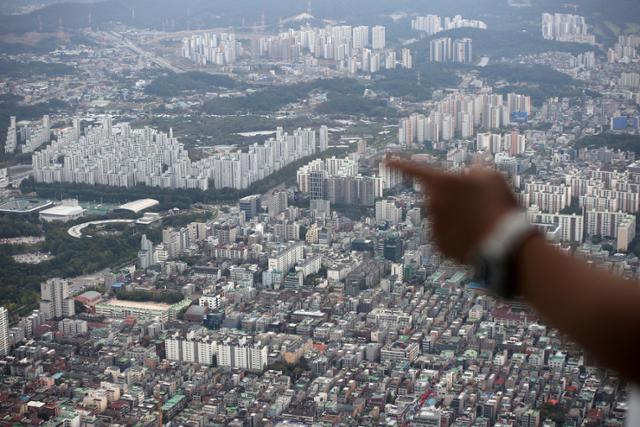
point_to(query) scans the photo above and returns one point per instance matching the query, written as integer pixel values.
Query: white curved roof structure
(139, 205)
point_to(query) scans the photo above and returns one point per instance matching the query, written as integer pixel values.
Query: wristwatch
(494, 260)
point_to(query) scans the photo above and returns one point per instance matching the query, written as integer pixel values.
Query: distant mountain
(173, 15)
(191, 14)
(23, 6)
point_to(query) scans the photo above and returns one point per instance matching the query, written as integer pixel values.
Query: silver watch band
(506, 234)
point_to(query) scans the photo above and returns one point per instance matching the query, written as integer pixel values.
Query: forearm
(598, 310)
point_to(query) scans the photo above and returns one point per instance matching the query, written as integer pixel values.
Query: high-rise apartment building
(565, 228)
(285, 256)
(390, 60)
(323, 138)
(145, 255)
(278, 202)
(616, 225)
(445, 49)
(4, 331)
(391, 177)
(175, 241)
(378, 37)
(407, 59)
(120, 156)
(242, 353)
(389, 211)
(441, 50)
(566, 27)
(55, 299)
(337, 180)
(210, 48)
(549, 198)
(431, 24)
(360, 37)
(192, 348)
(28, 137)
(12, 136)
(463, 51)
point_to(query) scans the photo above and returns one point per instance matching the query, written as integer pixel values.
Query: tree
(294, 371)
(553, 412)
(173, 84)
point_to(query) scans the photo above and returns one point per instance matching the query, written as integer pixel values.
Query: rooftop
(63, 210)
(139, 205)
(145, 305)
(24, 205)
(90, 295)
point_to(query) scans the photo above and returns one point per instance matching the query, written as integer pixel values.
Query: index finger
(415, 169)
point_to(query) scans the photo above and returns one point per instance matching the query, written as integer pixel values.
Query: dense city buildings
(461, 116)
(566, 28)
(26, 137)
(433, 24)
(116, 155)
(211, 48)
(349, 49)
(446, 50)
(198, 228)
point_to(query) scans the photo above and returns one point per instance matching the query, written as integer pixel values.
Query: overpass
(76, 230)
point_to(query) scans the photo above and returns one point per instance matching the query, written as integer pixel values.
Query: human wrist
(495, 257)
(495, 241)
(520, 257)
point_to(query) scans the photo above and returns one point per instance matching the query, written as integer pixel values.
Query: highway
(159, 61)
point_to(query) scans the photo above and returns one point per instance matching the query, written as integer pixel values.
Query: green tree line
(17, 226)
(15, 69)
(624, 142)
(164, 296)
(195, 81)
(71, 257)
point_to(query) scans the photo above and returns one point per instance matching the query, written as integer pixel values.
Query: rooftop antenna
(309, 7)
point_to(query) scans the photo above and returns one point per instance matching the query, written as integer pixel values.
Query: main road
(161, 62)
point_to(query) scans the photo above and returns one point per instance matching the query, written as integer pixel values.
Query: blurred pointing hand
(463, 208)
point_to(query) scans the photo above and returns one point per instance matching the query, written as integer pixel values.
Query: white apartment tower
(407, 59)
(55, 300)
(378, 37)
(12, 137)
(4, 331)
(324, 138)
(360, 37)
(387, 210)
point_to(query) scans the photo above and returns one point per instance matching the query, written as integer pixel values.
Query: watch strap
(504, 236)
(496, 254)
